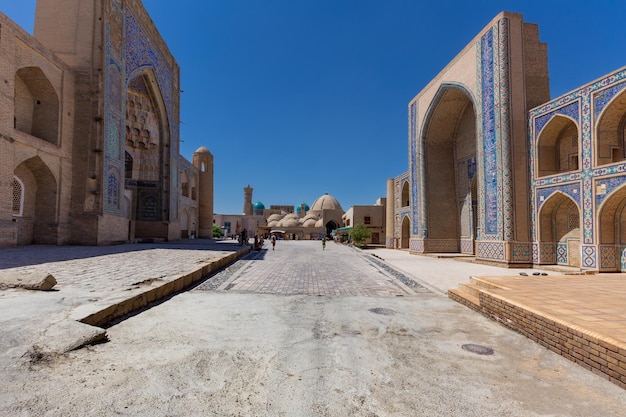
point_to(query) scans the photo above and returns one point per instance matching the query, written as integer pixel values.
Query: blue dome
(299, 207)
(258, 206)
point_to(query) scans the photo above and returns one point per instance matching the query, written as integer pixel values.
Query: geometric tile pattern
(561, 254)
(490, 250)
(607, 257)
(522, 252)
(589, 256)
(586, 103)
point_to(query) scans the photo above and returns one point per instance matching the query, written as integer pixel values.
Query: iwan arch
(89, 132)
(500, 171)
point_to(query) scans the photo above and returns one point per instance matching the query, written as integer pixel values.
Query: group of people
(259, 241)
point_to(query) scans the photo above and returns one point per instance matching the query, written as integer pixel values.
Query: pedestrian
(273, 241)
(324, 243)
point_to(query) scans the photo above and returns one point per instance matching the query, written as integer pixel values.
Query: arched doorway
(37, 220)
(559, 223)
(330, 226)
(612, 225)
(449, 160)
(147, 157)
(406, 233)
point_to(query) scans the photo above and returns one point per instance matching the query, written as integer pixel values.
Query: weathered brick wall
(603, 357)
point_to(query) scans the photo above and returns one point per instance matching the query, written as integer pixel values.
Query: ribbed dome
(326, 202)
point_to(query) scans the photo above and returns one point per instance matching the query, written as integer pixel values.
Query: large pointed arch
(147, 145)
(449, 144)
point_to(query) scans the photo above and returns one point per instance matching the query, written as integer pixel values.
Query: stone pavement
(302, 267)
(96, 285)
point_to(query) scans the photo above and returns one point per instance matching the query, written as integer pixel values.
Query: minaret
(247, 201)
(390, 241)
(203, 160)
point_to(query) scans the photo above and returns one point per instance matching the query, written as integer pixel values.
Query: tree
(360, 233)
(217, 232)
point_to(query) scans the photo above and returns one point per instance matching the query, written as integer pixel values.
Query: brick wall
(605, 357)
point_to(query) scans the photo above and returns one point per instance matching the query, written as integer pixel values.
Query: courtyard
(295, 331)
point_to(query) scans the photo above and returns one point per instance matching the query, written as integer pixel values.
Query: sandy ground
(206, 353)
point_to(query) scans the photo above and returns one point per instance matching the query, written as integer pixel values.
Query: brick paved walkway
(302, 267)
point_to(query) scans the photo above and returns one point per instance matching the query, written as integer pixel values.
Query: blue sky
(298, 98)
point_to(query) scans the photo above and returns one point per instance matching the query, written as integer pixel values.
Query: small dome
(202, 149)
(319, 223)
(274, 217)
(288, 223)
(258, 206)
(272, 223)
(291, 216)
(309, 223)
(326, 202)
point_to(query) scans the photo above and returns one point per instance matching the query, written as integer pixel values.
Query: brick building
(500, 171)
(89, 132)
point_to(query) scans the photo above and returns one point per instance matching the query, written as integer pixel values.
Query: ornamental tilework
(609, 185)
(414, 177)
(490, 250)
(504, 197)
(561, 254)
(622, 258)
(535, 253)
(608, 259)
(572, 190)
(522, 252)
(113, 102)
(489, 135)
(602, 98)
(547, 253)
(589, 256)
(112, 184)
(141, 53)
(416, 245)
(571, 110)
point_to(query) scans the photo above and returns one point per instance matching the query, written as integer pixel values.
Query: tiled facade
(498, 170)
(96, 160)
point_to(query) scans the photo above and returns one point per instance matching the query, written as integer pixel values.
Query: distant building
(324, 216)
(89, 133)
(373, 217)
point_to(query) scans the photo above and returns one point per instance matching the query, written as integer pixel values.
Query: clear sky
(298, 98)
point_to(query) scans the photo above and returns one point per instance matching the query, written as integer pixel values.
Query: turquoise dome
(299, 207)
(258, 206)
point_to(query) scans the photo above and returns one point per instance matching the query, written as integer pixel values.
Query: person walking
(324, 243)
(273, 241)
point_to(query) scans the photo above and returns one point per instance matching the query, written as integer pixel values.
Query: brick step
(465, 298)
(483, 283)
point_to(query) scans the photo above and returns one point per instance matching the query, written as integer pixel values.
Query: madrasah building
(89, 131)
(500, 171)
